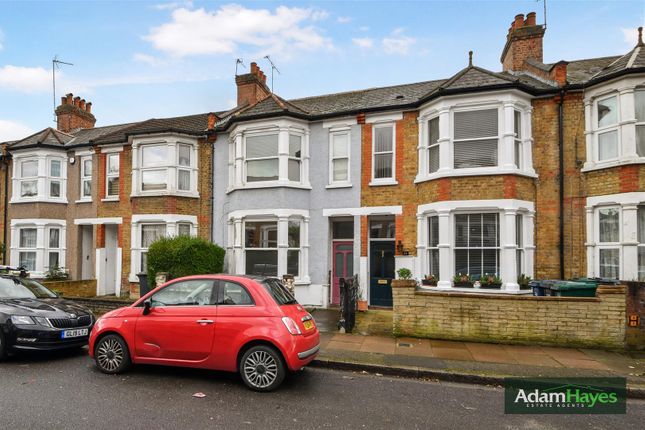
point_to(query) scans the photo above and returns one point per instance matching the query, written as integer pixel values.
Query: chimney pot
(82, 104)
(254, 68)
(640, 36)
(530, 19)
(211, 121)
(77, 101)
(63, 100)
(88, 107)
(74, 113)
(69, 98)
(519, 20)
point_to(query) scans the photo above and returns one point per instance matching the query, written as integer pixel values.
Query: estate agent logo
(565, 395)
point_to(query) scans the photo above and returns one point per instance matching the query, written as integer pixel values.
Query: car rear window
(279, 292)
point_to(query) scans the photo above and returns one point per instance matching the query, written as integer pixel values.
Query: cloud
(13, 130)
(344, 19)
(630, 35)
(363, 42)
(173, 5)
(146, 59)
(398, 43)
(225, 30)
(25, 79)
(364, 28)
(319, 15)
(1, 39)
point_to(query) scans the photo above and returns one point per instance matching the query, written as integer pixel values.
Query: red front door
(342, 266)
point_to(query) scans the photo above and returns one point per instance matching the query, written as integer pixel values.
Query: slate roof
(632, 61)
(581, 71)
(48, 137)
(85, 136)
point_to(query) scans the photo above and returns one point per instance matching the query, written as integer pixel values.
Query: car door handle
(204, 321)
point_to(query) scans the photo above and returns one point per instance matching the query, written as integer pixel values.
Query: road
(64, 391)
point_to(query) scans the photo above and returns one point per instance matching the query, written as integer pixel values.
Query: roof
(632, 61)
(581, 71)
(86, 136)
(48, 137)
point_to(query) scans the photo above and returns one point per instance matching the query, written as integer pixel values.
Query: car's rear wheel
(3, 347)
(112, 355)
(262, 368)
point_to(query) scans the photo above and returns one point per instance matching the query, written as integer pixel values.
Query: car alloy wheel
(112, 354)
(262, 368)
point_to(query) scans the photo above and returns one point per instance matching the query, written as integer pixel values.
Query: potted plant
(360, 299)
(429, 280)
(490, 280)
(523, 281)
(462, 280)
(404, 279)
(404, 273)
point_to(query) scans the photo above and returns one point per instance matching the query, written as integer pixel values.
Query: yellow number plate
(308, 324)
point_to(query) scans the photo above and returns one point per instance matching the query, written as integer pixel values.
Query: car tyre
(3, 348)
(111, 354)
(262, 368)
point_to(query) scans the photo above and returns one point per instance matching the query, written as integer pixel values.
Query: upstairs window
(607, 127)
(295, 157)
(183, 169)
(339, 157)
(433, 145)
(639, 104)
(112, 175)
(517, 147)
(29, 178)
(86, 177)
(164, 166)
(54, 174)
(475, 138)
(262, 160)
(383, 158)
(154, 175)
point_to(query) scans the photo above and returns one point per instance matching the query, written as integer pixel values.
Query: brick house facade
(537, 170)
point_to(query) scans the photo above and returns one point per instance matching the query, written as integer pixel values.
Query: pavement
(63, 390)
(371, 347)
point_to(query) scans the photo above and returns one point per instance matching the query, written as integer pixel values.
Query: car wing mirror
(147, 305)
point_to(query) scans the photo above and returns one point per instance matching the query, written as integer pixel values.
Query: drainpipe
(561, 167)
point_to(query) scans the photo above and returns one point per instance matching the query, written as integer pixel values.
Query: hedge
(183, 256)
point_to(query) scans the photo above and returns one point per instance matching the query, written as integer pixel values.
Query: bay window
(269, 243)
(517, 147)
(433, 145)
(607, 128)
(164, 165)
(641, 243)
(475, 138)
(149, 234)
(339, 141)
(39, 176)
(608, 242)
(639, 105)
(38, 245)
(383, 152)
(519, 242)
(271, 154)
(433, 246)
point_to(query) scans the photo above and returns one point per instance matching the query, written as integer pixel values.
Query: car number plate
(74, 333)
(308, 324)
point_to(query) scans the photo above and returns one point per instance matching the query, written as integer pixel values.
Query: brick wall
(100, 306)
(579, 321)
(85, 288)
(635, 336)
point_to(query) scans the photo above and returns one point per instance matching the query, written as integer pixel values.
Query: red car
(232, 323)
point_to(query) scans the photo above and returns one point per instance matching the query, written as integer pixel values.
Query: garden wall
(85, 288)
(504, 318)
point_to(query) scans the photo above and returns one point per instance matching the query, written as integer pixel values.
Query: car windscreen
(24, 288)
(279, 292)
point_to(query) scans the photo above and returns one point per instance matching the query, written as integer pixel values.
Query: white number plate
(74, 333)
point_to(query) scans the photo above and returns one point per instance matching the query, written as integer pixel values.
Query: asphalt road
(64, 391)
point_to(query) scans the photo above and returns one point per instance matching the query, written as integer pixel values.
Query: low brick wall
(85, 288)
(100, 305)
(635, 335)
(504, 318)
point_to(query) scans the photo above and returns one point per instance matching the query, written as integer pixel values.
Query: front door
(381, 272)
(180, 325)
(343, 267)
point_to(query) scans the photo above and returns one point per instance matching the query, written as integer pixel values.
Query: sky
(136, 60)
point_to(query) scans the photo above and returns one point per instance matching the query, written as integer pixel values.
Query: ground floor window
(477, 244)
(38, 245)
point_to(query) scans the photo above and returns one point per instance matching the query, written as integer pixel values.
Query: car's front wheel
(262, 368)
(111, 354)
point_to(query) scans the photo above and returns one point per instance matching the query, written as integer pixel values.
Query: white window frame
(625, 90)
(172, 221)
(333, 133)
(109, 176)
(481, 248)
(237, 239)
(384, 181)
(429, 145)
(637, 123)
(283, 128)
(172, 143)
(432, 249)
(519, 240)
(86, 178)
(508, 209)
(506, 102)
(49, 249)
(43, 178)
(272, 157)
(518, 142)
(617, 246)
(42, 248)
(454, 140)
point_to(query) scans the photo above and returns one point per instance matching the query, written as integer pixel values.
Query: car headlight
(42, 321)
(21, 320)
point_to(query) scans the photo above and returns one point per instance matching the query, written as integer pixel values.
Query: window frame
(638, 123)
(518, 143)
(262, 249)
(430, 248)
(143, 250)
(497, 248)
(247, 159)
(617, 245)
(109, 175)
(436, 144)
(333, 133)
(384, 180)
(615, 127)
(85, 178)
(455, 141)
(42, 178)
(42, 248)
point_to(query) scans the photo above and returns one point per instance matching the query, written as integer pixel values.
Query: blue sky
(141, 59)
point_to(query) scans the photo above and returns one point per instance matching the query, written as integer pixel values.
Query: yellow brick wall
(596, 322)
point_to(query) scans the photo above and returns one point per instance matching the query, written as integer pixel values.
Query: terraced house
(536, 169)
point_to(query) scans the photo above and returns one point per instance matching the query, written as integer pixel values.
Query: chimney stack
(251, 87)
(523, 42)
(74, 113)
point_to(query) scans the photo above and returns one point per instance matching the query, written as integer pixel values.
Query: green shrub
(183, 256)
(404, 273)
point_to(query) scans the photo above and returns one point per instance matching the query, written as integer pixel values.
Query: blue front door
(381, 272)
